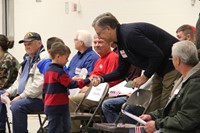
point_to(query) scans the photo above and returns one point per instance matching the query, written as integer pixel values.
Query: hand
(15, 99)
(145, 117)
(84, 89)
(5, 94)
(95, 80)
(137, 82)
(150, 127)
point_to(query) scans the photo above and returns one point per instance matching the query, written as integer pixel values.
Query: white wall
(49, 18)
(1, 17)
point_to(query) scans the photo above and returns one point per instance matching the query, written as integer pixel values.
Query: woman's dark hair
(5, 44)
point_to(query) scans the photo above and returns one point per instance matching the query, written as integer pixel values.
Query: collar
(80, 55)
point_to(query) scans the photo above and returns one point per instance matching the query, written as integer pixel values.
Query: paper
(9, 113)
(74, 91)
(134, 117)
(120, 89)
(97, 92)
(83, 73)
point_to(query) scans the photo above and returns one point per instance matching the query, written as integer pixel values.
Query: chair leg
(8, 124)
(41, 129)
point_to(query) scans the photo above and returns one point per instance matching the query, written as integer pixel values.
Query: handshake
(96, 80)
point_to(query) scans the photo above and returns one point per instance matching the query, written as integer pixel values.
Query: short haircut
(187, 29)
(85, 37)
(105, 19)
(59, 48)
(52, 40)
(186, 51)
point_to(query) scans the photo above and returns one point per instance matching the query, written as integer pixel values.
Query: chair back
(141, 97)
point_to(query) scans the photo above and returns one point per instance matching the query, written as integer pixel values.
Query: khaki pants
(161, 88)
(73, 103)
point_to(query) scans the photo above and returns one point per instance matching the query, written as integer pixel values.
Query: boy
(56, 82)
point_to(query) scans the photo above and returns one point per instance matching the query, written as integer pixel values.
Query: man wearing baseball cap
(26, 92)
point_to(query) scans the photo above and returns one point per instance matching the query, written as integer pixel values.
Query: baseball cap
(30, 36)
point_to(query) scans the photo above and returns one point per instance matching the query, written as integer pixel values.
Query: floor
(33, 123)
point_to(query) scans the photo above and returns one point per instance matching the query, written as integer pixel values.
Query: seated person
(107, 62)
(26, 91)
(186, 32)
(85, 57)
(44, 64)
(182, 111)
(8, 63)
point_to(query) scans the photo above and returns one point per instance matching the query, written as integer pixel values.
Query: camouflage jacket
(8, 70)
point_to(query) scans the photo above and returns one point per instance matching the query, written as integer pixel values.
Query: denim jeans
(20, 109)
(2, 117)
(59, 123)
(112, 107)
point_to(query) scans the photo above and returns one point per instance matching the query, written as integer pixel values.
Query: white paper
(97, 92)
(74, 91)
(83, 73)
(9, 113)
(120, 89)
(134, 117)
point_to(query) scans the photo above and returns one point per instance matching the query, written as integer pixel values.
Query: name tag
(123, 54)
(78, 71)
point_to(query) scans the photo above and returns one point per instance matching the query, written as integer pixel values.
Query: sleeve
(65, 80)
(118, 73)
(33, 88)
(6, 73)
(188, 116)
(12, 90)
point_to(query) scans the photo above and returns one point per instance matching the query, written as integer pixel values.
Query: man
(182, 112)
(105, 64)
(26, 92)
(186, 32)
(85, 57)
(143, 45)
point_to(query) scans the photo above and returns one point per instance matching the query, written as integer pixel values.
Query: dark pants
(59, 123)
(20, 109)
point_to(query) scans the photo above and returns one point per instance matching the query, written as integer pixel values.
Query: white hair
(186, 51)
(85, 37)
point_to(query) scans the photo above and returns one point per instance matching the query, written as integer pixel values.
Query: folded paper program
(120, 89)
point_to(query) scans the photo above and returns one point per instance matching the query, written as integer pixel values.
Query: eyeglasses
(99, 33)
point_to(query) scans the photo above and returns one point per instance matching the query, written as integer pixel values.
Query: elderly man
(182, 112)
(26, 92)
(85, 57)
(107, 62)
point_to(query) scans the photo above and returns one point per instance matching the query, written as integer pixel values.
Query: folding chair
(95, 114)
(140, 98)
(42, 122)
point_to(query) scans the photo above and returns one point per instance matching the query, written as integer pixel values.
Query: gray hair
(105, 19)
(85, 37)
(186, 51)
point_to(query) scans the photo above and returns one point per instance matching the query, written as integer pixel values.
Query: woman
(8, 63)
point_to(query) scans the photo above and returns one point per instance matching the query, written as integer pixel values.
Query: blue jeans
(20, 109)
(112, 107)
(59, 123)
